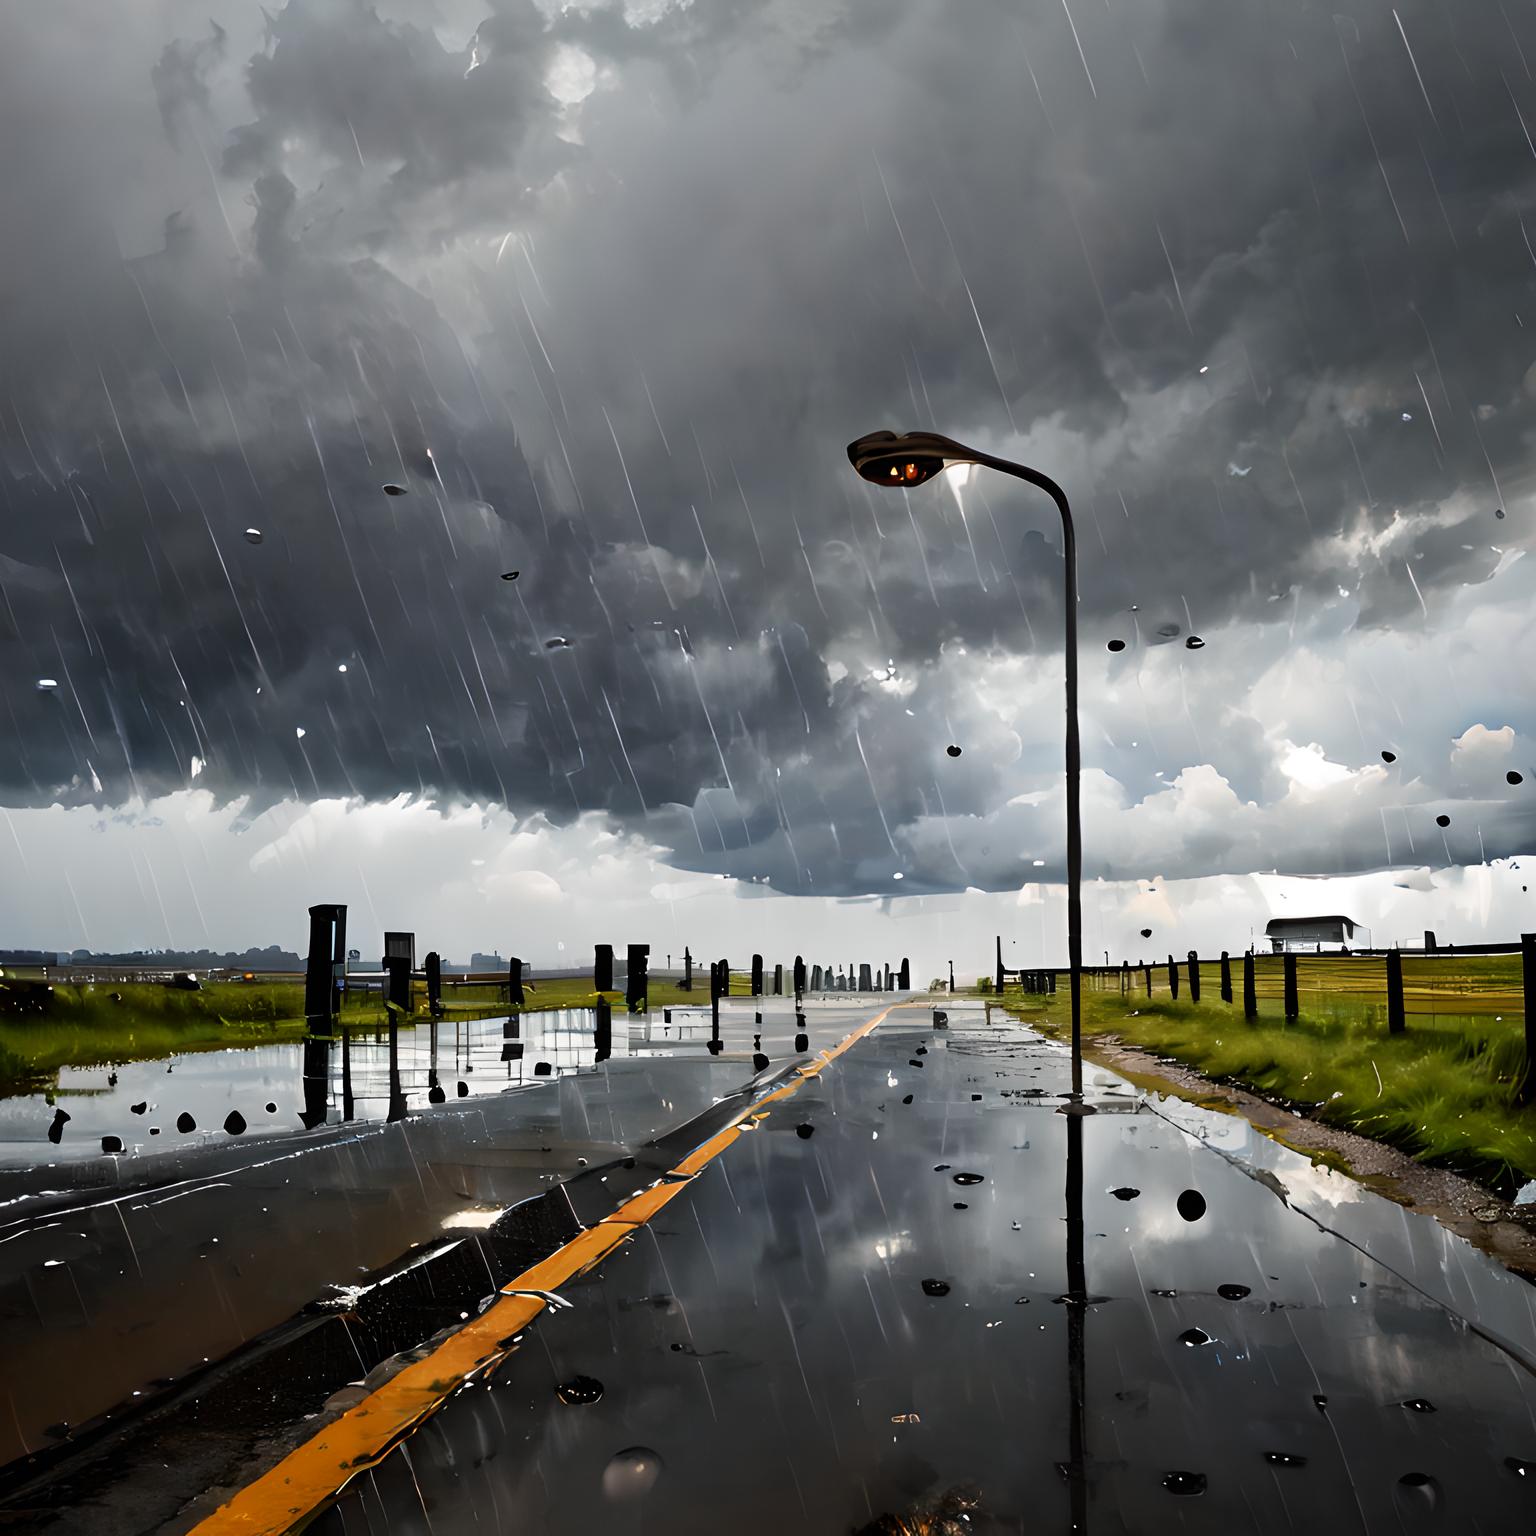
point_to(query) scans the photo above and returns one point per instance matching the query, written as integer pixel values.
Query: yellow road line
(313, 1473)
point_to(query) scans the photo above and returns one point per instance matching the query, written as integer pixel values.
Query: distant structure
(483, 962)
(1313, 934)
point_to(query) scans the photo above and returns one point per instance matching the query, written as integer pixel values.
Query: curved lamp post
(883, 458)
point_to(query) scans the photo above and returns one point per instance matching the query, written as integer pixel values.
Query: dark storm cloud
(1253, 286)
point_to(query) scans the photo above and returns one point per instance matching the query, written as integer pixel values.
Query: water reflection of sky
(265, 1085)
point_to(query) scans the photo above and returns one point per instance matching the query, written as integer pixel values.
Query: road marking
(312, 1474)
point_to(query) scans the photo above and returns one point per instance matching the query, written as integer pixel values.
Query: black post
(515, 998)
(602, 968)
(602, 1033)
(687, 970)
(1397, 1022)
(1076, 1300)
(1226, 977)
(434, 969)
(799, 975)
(397, 986)
(719, 981)
(637, 978)
(1250, 988)
(1173, 979)
(1148, 970)
(1194, 977)
(327, 938)
(778, 981)
(999, 979)
(1292, 1007)
(865, 985)
(904, 975)
(396, 1110)
(951, 978)
(1429, 941)
(1525, 1090)
(757, 975)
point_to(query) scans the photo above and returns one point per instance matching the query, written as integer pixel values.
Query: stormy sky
(603, 291)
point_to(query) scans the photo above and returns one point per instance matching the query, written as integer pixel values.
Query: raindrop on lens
(1232, 1292)
(1117, 645)
(1514, 778)
(185, 1123)
(1191, 1205)
(253, 535)
(1188, 1484)
(1193, 1338)
(631, 1473)
(1194, 643)
(952, 751)
(394, 490)
(968, 1178)
(935, 1288)
(1389, 757)
(580, 1391)
(1442, 821)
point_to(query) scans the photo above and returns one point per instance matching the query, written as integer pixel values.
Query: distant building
(1312, 934)
(483, 962)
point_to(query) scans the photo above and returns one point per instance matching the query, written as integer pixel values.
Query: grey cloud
(780, 227)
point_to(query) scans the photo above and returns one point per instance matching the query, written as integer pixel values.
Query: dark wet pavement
(120, 1275)
(886, 1294)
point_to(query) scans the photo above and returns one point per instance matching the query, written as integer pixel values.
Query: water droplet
(437, 1094)
(968, 1178)
(1418, 1488)
(935, 1288)
(1188, 1484)
(1284, 1459)
(1167, 1295)
(1117, 645)
(1146, 933)
(391, 489)
(1442, 821)
(1193, 1338)
(1232, 1292)
(1419, 1404)
(271, 1109)
(906, 1098)
(952, 750)
(234, 1122)
(185, 1123)
(960, 1205)
(111, 1143)
(47, 684)
(1125, 1192)
(557, 643)
(1194, 643)
(1320, 1401)
(1498, 512)
(1512, 777)
(942, 1167)
(1389, 757)
(463, 1089)
(139, 1108)
(253, 535)
(1520, 1468)
(510, 575)
(805, 1132)
(631, 1473)
(1191, 1205)
(579, 1391)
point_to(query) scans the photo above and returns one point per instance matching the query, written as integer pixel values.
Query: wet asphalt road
(119, 1276)
(914, 1279)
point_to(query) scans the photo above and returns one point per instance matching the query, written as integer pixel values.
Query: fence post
(757, 975)
(1226, 977)
(687, 969)
(778, 981)
(602, 968)
(602, 1030)
(799, 975)
(719, 981)
(1396, 1023)
(637, 978)
(1526, 1092)
(1292, 1007)
(1250, 988)
(1148, 970)
(904, 975)
(1173, 978)
(515, 998)
(434, 970)
(397, 989)
(1194, 977)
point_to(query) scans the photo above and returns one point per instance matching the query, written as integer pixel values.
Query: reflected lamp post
(885, 459)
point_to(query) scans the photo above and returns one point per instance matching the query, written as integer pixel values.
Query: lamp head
(883, 458)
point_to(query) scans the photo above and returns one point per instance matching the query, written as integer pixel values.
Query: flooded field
(375, 1074)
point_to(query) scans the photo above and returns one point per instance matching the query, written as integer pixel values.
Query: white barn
(1313, 934)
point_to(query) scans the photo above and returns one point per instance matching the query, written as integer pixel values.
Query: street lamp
(883, 458)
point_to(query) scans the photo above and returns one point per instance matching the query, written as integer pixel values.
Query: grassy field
(107, 1023)
(1443, 1091)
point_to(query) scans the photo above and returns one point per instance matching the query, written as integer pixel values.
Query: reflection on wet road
(886, 1304)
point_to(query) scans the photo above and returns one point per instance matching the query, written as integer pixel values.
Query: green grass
(1444, 1091)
